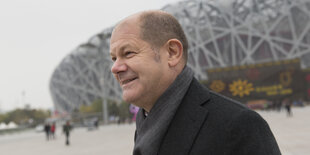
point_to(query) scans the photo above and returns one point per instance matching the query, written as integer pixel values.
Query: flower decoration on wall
(241, 88)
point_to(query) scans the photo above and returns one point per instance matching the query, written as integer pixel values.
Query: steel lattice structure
(219, 35)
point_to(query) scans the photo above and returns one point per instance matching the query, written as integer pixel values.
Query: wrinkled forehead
(124, 33)
(123, 36)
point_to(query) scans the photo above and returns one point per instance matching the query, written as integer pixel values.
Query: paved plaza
(292, 134)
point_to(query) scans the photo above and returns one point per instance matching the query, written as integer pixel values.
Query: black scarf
(151, 129)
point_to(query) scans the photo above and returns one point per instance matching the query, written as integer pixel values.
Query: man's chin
(129, 98)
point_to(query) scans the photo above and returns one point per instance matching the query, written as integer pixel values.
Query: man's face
(137, 67)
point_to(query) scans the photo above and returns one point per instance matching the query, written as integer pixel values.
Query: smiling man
(177, 114)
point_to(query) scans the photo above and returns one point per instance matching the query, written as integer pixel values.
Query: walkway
(292, 134)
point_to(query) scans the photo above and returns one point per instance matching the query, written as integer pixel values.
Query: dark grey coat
(207, 123)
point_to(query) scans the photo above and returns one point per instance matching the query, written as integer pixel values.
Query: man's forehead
(128, 23)
(124, 31)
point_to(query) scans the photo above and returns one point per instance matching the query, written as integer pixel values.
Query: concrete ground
(292, 134)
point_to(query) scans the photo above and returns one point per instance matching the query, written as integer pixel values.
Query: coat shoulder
(233, 128)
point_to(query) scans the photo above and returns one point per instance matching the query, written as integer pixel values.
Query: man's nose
(118, 66)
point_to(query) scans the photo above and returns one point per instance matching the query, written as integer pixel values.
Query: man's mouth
(128, 80)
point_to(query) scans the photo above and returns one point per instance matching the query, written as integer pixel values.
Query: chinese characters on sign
(271, 80)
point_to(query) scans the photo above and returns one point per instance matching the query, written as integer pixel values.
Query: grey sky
(35, 35)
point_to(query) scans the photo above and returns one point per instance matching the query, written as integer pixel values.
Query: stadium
(234, 48)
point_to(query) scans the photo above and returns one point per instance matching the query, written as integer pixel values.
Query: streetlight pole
(105, 111)
(104, 103)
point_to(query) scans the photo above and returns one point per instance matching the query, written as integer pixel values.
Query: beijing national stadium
(244, 49)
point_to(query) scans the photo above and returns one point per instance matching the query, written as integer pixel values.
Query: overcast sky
(35, 35)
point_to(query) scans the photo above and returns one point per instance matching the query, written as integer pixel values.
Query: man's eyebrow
(122, 48)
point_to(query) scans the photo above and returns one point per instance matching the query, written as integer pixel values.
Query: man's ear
(175, 52)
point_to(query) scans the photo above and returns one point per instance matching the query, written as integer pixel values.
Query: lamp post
(104, 103)
(105, 111)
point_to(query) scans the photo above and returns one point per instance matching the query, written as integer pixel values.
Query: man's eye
(129, 53)
(113, 59)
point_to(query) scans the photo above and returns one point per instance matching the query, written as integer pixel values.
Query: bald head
(156, 28)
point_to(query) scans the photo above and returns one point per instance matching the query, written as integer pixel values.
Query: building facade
(220, 34)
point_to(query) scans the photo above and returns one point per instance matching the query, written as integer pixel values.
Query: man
(178, 115)
(47, 129)
(66, 130)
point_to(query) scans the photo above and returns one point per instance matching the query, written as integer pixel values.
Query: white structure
(219, 35)
(3, 126)
(11, 125)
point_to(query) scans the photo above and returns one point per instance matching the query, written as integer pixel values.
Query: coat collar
(187, 121)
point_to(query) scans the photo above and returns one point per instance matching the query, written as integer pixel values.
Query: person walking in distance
(47, 129)
(66, 130)
(53, 129)
(287, 104)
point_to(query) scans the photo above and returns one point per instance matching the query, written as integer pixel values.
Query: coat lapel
(187, 122)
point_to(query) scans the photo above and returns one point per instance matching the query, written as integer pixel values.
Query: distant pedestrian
(66, 130)
(53, 129)
(288, 105)
(278, 105)
(47, 129)
(96, 123)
